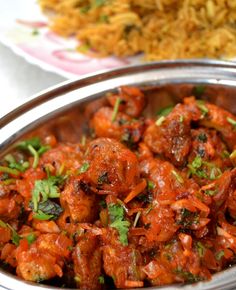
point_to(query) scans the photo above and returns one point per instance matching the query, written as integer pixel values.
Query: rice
(161, 29)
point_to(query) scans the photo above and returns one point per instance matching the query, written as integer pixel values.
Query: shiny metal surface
(59, 100)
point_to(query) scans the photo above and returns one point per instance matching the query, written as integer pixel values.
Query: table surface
(20, 79)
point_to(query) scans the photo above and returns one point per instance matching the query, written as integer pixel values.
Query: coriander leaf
(34, 142)
(233, 155)
(31, 238)
(123, 228)
(231, 121)
(83, 168)
(39, 215)
(165, 111)
(15, 237)
(103, 178)
(116, 214)
(46, 188)
(188, 276)
(9, 170)
(150, 185)
(47, 210)
(197, 162)
(2, 224)
(35, 148)
(178, 177)
(127, 138)
(83, 140)
(21, 166)
(201, 105)
(194, 167)
(215, 173)
(103, 204)
(219, 255)
(43, 149)
(116, 109)
(181, 119)
(187, 218)
(101, 279)
(200, 249)
(202, 137)
(198, 91)
(35, 154)
(211, 192)
(160, 120)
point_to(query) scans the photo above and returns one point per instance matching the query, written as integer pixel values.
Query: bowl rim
(87, 79)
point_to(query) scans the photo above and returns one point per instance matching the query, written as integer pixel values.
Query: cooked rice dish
(161, 29)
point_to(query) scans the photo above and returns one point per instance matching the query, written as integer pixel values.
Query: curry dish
(139, 201)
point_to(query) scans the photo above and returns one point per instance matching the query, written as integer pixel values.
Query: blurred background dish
(23, 28)
(160, 29)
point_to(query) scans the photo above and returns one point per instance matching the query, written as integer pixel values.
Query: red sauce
(138, 202)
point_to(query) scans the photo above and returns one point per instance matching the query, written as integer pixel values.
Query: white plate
(23, 28)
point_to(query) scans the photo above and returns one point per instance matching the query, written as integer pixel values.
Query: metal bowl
(164, 82)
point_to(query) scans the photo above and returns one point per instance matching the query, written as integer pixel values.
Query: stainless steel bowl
(55, 104)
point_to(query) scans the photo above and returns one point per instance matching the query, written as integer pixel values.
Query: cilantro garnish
(15, 237)
(34, 142)
(187, 276)
(150, 185)
(31, 238)
(219, 255)
(187, 218)
(116, 214)
(195, 168)
(181, 118)
(44, 189)
(165, 111)
(2, 224)
(21, 166)
(101, 279)
(34, 147)
(200, 249)
(198, 91)
(211, 192)
(202, 137)
(48, 210)
(160, 120)
(233, 155)
(84, 167)
(178, 177)
(231, 121)
(201, 105)
(215, 173)
(8, 170)
(103, 178)
(45, 209)
(116, 109)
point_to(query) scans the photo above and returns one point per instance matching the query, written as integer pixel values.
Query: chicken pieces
(139, 202)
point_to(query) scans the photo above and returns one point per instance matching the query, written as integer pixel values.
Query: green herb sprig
(116, 214)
